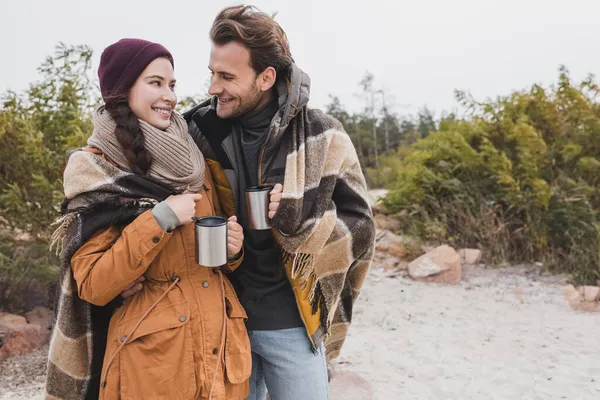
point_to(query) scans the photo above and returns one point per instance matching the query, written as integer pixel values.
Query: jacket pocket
(157, 362)
(238, 359)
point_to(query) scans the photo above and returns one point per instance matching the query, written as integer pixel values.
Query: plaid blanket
(324, 223)
(98, 195)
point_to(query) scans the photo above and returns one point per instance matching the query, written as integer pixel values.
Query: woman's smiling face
(152, 98)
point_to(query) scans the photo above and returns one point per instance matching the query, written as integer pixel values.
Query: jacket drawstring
(224, 330)
(176, 280)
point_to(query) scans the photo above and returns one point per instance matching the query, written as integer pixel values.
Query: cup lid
(212, 220)
(260, 188)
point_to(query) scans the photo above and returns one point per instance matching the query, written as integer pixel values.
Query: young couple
(137, 318)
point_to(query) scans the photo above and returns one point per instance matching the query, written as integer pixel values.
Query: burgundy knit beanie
(122, 63)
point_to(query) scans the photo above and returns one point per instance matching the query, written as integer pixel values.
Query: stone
(382, 247)
(440, 265)
(591, 293)
(397, 250)
(43, 317)
(387, 222)
(12, 319)
(571, 294)
(471, 256)
(390, 263)
(587, 306)
(576, 298)
(402, 266)
(17, 337)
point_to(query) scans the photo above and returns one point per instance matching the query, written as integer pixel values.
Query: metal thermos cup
(211, 241)
(257, 206)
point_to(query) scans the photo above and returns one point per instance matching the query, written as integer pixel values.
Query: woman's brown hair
(129, 134)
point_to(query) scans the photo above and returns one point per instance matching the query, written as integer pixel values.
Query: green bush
(37, 128)
(28, 275)
(518, 178)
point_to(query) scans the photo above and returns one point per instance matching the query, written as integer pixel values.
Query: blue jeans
(284, 364)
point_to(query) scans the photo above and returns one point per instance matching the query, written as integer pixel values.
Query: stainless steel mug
(257, 206)
(211, 241)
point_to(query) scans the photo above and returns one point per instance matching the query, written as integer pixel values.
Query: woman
(131, 196)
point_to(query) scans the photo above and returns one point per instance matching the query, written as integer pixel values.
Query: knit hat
(122, 63)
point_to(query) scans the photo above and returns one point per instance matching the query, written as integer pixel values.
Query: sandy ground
(22, 377)
(501, 334)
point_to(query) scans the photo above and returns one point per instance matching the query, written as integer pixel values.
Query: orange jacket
(172, 352)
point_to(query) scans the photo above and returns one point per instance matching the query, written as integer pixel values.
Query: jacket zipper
(260, 159)
(207, 190)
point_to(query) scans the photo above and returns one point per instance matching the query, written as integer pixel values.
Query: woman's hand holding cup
(184, 206)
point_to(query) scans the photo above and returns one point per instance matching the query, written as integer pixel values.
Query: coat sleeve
(111, 260)
(233, 264)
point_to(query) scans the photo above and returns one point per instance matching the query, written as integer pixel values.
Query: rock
(23, 237)
(349, 386)
(391, 243)
(19, 337)
(387, 222)
(12, 319)
(471, 256)
(576, 298)
(402, 266)
(571, 294)
(43, 317)
(587, 306)
(591, 293)
(397, 250)
(390, 263)
(15, 345)
(440, 265)
(382, 247)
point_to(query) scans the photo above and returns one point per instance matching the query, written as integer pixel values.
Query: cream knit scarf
(176, 159)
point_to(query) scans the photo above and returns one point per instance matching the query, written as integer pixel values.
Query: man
(299, 280)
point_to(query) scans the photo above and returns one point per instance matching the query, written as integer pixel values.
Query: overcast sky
(418, 50)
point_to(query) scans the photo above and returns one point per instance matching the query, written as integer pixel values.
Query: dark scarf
(103, 196)
(252, 130)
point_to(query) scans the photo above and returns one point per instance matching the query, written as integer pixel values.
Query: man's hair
(256, 30)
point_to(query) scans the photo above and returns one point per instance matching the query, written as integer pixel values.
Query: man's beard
(250, 103)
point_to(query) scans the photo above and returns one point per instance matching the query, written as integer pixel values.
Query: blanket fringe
(303, 267)
(57, 240)
(318, 303)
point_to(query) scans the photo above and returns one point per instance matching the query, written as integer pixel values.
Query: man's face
(234, 82)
